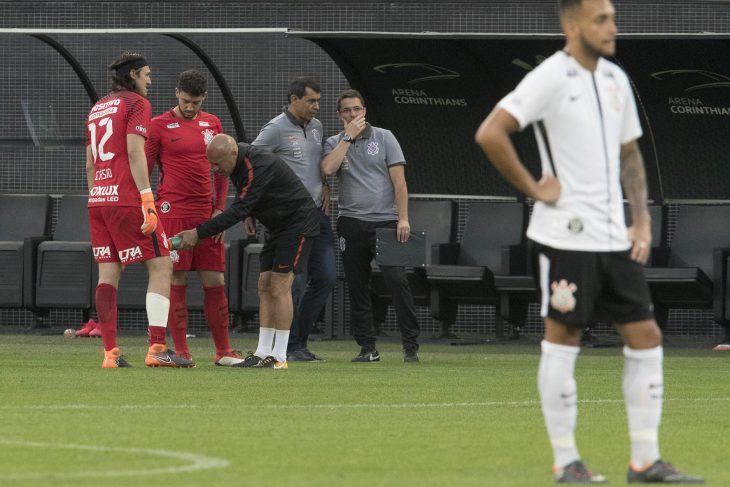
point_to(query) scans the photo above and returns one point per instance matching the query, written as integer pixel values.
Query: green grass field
(463, 416)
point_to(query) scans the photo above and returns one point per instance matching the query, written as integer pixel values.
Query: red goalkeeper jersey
(109, 122)
(177, 145)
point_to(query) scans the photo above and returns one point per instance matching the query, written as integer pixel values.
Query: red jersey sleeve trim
(249, 170)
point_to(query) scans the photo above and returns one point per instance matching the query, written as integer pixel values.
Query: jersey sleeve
(531, 99)
(393, 151)
(330, 144)
(268, 138)
(138, 117)
(630, 124)
(152, 145)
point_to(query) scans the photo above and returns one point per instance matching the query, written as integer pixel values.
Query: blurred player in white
(590, 266)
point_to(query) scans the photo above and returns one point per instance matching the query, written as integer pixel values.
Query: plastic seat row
(43, 271)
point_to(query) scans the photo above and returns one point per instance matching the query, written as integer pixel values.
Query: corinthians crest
(208, 135)
(562, 297)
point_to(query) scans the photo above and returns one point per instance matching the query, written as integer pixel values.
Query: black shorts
(286, 251)
(579, 288)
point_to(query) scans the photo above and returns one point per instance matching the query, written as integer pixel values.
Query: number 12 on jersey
(97, 146)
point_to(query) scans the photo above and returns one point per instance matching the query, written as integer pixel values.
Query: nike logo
(566, 396)
(175, 140)
(573, 98)
(163, 358)
(280, 266)
(655, 386)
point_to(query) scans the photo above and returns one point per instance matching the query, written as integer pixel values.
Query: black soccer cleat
(367, 356)
(578, 473)
(661, 472)
(248, 361)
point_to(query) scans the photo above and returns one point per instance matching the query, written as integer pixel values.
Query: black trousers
(357, 244)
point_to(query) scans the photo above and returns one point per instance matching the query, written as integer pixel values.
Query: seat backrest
(698, 232)
(489, 227)
(237, 231)
(73, 219)
(24, 215)
(436, 218)
(658, 236)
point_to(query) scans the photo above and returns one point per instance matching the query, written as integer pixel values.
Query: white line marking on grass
(52, 407)
(196, 461)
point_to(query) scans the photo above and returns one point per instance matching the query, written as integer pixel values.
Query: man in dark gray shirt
(370, 167)
(296, 137)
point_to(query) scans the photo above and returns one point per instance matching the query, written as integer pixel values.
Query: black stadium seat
(692, 273)
(438, 220)
(24, 224)
(67, 273)
(492, 234)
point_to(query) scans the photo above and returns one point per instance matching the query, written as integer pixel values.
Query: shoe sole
(228, 362)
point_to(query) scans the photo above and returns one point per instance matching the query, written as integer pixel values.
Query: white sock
(559, 399)
(643, 394)
(158, 307)
(266, 340)
(280, 344)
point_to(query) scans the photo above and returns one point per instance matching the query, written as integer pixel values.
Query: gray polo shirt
(365, 188)
(300, 147)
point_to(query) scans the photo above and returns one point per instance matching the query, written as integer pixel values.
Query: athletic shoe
(159, 356)
(249, 361)
(281, 365)
(113, 359)
(578, 473)
(96, 332)
(229, 359)
(88, 327)
(303, 355)
(367, 356)
(266, 363)
(661, 472)
(410, 356)
(721, 347)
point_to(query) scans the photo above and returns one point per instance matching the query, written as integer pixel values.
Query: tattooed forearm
(633, 178)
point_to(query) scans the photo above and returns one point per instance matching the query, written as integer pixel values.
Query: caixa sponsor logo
(129, 254)
(111, 193)
(102, 252)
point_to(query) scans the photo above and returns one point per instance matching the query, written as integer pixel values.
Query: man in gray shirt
(370, 167)
(296, 137)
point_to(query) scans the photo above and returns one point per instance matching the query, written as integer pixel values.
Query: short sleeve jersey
(178, 145)
(365, 188)
(581, 119)
(109, 122)
(300, 147)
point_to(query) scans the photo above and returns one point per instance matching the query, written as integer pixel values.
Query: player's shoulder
(556, 67)
(610, 69)
(163, 118)
(209, 117)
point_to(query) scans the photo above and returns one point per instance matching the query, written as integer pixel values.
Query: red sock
(215, 304)
(156, 335)
(177, 320)
(106, 309)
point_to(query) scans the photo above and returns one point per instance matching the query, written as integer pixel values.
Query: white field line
(71, 407)
(195, 461)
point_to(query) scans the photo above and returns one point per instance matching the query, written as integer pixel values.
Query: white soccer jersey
(581, 119)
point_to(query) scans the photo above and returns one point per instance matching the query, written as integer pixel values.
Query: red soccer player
(186, 198)
(118, 181)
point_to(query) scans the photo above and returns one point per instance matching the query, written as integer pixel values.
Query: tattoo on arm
(633, 178)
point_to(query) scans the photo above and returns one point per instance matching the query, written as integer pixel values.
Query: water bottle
(174, 243)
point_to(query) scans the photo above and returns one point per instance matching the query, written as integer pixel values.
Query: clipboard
(390, 252)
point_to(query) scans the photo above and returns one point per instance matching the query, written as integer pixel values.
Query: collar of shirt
(293, 119)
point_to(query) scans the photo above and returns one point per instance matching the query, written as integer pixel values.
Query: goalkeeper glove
(149, 214)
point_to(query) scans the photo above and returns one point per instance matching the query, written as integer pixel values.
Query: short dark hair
(349, 94)
(192, 82)
(298, 86)
(566, 5)
(121, 78)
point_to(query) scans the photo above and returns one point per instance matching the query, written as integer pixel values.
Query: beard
(595, 50)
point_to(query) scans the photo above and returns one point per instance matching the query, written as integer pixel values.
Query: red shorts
(116, 236)
(206, 256)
